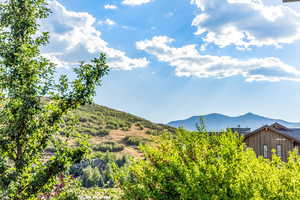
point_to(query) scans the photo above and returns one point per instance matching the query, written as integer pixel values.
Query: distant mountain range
(217, 122)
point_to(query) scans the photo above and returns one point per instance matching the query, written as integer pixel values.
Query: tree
(200, 165)
(33, 105)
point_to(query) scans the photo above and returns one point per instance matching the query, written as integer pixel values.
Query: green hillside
(95, 118)
(116, 131)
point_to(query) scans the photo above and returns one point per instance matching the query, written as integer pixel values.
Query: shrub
(99, 171)
(122, 124)
(111, 124)
(81, 119)
(91, 177)
(125, 129)
(134, 140)
(109, 147)
(153, 132)
(139, 126)
(199, 165)
(128, 124)
(102, 133)
(50, 149)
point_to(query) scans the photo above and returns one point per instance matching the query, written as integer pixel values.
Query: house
(275, 136)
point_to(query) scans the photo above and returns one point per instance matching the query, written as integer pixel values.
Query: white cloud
(108, 22)
(246, 23)
(135, 2)
(169, 14)
(73, 38)
(187, 61)
(110, 7)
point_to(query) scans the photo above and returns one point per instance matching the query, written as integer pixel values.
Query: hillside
(116, 131)
(217, 122)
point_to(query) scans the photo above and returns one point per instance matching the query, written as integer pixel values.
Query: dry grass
(118, 137)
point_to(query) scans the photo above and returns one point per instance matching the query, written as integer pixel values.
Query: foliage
(135, 140)
(153, 132)
(29, 122)
(200, 165)
(99, 194)
(99, 171)
(140, 126)
(102, 132)
(112, 124)
(91, 177)
(67, 189)
(110, 146)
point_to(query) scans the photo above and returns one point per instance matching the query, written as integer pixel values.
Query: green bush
(109, 147)
(125, 129)
(122, 124)
(99, 171)
(128, 124)
(139, 126)
(111, 124)
(102, 133)
(135, 140)
(153, 132)
(200, 165)
(50, 149)
(91, 177)
(83, 120)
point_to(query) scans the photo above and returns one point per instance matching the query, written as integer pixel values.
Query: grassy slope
(97, 121)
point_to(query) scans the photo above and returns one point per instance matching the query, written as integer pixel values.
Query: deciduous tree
(33, 105)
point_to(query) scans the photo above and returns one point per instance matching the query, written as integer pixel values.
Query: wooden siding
(270, 138)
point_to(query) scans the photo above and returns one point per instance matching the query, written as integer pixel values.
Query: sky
(173, 59)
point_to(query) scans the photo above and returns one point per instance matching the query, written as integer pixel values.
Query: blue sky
(174, 59)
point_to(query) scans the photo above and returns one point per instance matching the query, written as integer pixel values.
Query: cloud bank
(73, 38)
(245, 23)
(188, 61)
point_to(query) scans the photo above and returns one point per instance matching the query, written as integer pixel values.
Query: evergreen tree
(33, 105)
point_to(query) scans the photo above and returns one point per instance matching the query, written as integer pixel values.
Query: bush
(122, 124)
(128, 124)
(134, 140)
(109, 147)
(50, 149)
(153, 132)
(99, 171)
(139, 126)
(199, 165)
(111, 124)
(91, 177)
(102, 133)
(125, 129)
(81, 119)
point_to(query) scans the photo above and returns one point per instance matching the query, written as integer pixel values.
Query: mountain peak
(218, 122)
(249, 114)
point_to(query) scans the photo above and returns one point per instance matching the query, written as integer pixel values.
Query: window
(279, 150)
(265, 151)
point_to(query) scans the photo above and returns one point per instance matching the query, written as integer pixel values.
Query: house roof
(290, 133)
(294, 133)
